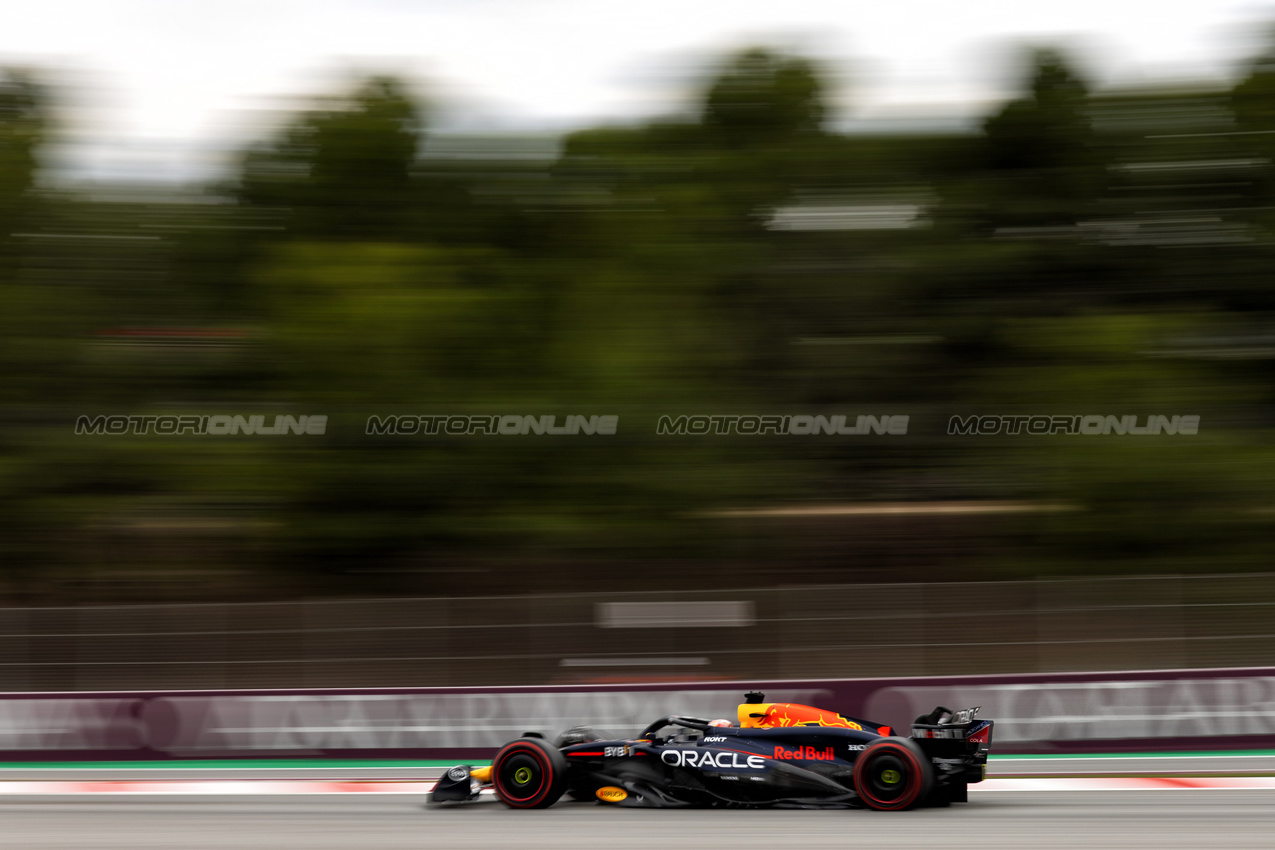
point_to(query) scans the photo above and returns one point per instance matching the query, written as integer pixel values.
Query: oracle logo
(708, 758)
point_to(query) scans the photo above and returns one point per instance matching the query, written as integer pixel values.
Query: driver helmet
(719, 723)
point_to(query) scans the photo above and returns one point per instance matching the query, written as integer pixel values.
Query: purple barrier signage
(1102, 712)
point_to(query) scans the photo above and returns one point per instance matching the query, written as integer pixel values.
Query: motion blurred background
(311, 210)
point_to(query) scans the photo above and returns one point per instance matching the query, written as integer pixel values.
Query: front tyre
(529, 774)
(892, 774)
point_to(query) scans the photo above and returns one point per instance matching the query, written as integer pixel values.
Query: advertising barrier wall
(1175, 710)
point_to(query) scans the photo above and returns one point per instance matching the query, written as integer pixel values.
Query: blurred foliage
(343, 170)
(23, 127)
(1080, 253)
(764, 97)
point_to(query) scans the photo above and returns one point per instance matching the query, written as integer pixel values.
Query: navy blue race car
(777, 754)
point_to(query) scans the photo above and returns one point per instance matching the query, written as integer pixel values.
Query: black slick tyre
(529, 773)
(892, 774)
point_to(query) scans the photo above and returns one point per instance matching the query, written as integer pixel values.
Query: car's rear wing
(962, 725)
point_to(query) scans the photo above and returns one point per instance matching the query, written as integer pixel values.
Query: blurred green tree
(1252, 99)
(1040, 151)
(762, 97)
(344, 170)
(23, 127)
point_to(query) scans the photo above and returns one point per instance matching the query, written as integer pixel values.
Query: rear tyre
(529, 773)
(892, 774)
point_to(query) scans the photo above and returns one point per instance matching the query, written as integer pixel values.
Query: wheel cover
(522, 776)
(889, 777)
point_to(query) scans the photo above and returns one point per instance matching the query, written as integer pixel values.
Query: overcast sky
(158, 84)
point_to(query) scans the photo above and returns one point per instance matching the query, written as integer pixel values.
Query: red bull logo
(784, 714)
(804, 754)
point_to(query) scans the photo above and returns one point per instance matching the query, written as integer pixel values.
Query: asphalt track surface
(992, 819)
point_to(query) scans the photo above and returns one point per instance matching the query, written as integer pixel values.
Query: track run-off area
(1176, 800)
(1165, 818)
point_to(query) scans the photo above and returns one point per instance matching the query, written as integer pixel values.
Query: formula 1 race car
(779, 754)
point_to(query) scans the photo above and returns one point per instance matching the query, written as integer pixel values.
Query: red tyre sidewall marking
(545, 770)
(914, 780)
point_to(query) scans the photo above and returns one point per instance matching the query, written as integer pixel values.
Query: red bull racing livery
(777, 754)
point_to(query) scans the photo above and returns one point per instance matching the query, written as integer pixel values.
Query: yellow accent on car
(482, 774)
(746, 720)
(611, 794)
